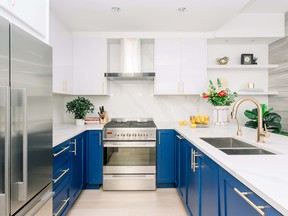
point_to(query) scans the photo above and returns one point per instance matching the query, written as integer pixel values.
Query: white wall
(58, 109)
(135, 99)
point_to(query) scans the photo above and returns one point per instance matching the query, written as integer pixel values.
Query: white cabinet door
(90, 64)
(193, 65)
(31, 15)
(167, 66)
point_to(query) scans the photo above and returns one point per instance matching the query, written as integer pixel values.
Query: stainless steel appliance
(129, 155)
(25, 123)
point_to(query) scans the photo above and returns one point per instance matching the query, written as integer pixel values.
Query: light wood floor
(128, 203)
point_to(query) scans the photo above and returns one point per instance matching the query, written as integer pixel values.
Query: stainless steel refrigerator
(25, 123)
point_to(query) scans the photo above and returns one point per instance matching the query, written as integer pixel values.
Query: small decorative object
(246, 59)
(80, 107)
(103, 115)
(221, 99)
(222, 61)
(251, 85)
(254, 60)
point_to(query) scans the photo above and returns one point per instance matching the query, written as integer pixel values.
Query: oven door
(129, 157)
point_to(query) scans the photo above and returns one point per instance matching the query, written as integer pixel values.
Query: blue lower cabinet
(77, 150)
(61, 179)
(234, 198)
(193, 181)
(182, 169)
(209, 185)
(165, 158)
(94, 160)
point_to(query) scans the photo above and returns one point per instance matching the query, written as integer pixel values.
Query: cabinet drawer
(237, 199)
(61, 172)
(61, 200)
(61, 151)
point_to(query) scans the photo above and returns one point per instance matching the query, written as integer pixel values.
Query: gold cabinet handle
(60, 152)
(64, 204)
(75, 147)
(57, 179)
(243, 196)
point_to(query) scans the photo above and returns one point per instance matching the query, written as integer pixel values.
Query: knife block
(104, 118)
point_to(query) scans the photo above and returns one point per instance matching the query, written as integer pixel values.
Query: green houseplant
(79, 107)
(271, 119)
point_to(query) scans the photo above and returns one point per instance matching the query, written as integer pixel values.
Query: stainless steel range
(129, 155)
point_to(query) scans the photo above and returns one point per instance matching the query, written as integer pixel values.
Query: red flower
(205, 95)
(222, 93)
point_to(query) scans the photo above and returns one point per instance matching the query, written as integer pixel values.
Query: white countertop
(266, 175)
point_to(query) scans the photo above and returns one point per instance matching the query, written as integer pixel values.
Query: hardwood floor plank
(128, 203)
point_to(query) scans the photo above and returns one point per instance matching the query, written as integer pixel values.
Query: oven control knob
(134, 134)
(146, 135)
(139, 135)
(128, 135)
(123, 135)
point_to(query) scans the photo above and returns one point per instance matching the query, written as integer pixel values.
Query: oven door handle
(130, 145)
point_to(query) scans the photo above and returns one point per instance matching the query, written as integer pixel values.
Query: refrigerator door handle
(23, 186)
(4, 195)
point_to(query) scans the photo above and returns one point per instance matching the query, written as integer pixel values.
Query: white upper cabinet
(90, 64)
(30, 15)
(167, 66)
(180, 65)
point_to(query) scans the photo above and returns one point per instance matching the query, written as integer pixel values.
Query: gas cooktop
(124, 123)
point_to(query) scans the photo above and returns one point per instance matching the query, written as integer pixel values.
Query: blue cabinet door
(182, 178)
(193, 181)
(94, 158)
(209, 199)
(165, 156)
(232, 204)
(77, 146)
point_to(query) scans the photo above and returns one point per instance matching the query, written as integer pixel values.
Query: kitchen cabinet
(77, 149)
(180, 65)
(182, 166)
(89, 65)
(61, 178)
(30, 15)
(202, 183)
(236, 199)
(94, 159)
(165, 158)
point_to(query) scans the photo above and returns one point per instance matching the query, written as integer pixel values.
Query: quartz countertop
(266, 175)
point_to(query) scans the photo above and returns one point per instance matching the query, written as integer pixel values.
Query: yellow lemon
(193, 121)
(193, 125)
(185, 123)
(206, 122)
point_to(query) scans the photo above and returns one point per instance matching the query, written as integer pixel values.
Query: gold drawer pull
(63, 150)
(64, 204)
(257, 208)
(57, 179)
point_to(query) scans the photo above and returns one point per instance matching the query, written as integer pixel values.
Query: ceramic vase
(80, 122)
(221, 115)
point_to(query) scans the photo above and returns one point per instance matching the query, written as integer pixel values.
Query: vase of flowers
(221, 99)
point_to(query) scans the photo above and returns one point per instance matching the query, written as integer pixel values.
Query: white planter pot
(221, 115)
(80, 122)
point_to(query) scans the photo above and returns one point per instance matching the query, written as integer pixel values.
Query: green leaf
(251, 115)
(251, 124)
(273, 117)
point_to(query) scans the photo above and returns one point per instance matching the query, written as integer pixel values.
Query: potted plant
(221, 99)
(271, 119)
(79, 107)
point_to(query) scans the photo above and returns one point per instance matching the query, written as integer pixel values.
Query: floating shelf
(244, 93)
(256, 67)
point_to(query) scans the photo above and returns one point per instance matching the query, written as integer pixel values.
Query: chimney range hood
(130, 62)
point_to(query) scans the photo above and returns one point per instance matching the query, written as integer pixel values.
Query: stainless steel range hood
(130, 62)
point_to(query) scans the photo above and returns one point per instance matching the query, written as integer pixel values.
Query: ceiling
(157, 15)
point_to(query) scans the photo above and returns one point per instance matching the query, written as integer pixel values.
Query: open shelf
(244, 93)
(257, 67)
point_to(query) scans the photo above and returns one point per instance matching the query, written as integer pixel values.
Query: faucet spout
(261, 133)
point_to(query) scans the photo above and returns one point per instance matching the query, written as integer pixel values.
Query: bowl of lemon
(199, 121)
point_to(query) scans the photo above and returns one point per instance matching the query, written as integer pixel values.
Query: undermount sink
(233, 146)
